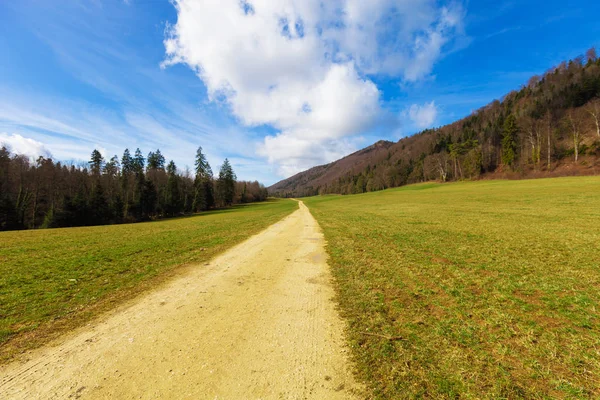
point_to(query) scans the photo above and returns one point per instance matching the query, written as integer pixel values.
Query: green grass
(53, 280)
(494, 287)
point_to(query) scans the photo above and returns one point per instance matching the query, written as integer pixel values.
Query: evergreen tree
(173, 199)
(148, 199)
(156, 160)
(509, 141)
(203, 185)
(127, 170)
(81, 213)
(127, 162)
(118, 209)
(139, 204)
(47, 194)
(8, 211)
(112, 167)
(226, 184)
(209, 193)
(138, 162)
(100, 211)
(96, 162)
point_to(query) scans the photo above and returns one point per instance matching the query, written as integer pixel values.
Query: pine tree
(226, 184)
(138, 162)
(173, 199)
(112, 167)
(203, 183)
(127, 162)
(139, 204)
(509, 141)
(156, 160)
(127, 169)
(99, 207)
(96, 162)
(117, 209)
(148, 199)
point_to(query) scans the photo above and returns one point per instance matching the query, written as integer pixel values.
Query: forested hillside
(47, 193)
(550, 127)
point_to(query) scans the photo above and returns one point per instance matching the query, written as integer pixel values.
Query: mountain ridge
(550, 126)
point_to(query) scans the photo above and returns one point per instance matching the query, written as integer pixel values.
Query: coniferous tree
(203, 183)
(138, 162)
(173, 199)
(127, 162)
(100, 211)
(148, 199)
(111, 168)
(140, 205)
(96, 163)
(118, 209)
(47, 194)
(226, 184)
(156, 160)
(127, 171)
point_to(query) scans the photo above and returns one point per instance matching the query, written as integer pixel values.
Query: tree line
(550, 126)
(46, 193)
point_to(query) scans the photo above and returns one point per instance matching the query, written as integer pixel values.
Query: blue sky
(276, 88)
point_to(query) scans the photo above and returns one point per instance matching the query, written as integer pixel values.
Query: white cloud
(423, 116)
(24, 146)
(305, 67)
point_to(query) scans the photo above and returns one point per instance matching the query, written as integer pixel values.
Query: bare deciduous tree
(575, 129)
(593, 109)
(590, 55)
(532, 131)
(548, 124)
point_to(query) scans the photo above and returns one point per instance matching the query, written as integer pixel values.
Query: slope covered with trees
(47, 193)
(550, 127)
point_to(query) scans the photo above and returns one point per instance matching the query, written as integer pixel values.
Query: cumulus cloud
(306, 67)
(423, 116)
(24, 146)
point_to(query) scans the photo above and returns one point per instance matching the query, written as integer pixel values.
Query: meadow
(487, 289)
(53, 280)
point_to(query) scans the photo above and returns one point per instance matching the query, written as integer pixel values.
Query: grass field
(53, 280)
(484, 289)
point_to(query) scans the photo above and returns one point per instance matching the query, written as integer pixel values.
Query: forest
(550, 127)
(47, 194)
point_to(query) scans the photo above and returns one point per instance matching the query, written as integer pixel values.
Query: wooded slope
(550, 127)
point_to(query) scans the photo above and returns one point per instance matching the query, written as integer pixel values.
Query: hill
(320, 176)
(549, 127)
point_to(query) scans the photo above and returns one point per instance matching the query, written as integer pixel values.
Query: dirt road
(257, 322)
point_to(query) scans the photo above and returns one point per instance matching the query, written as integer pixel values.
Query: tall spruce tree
(173, 203)
(155, 160)
(138, 162)
(127, 162)
(226, 184)
(509, 141)
(127, 170)
(203, 183)
(96, 162)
